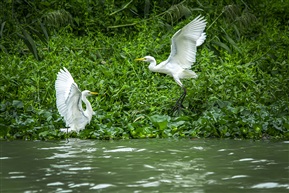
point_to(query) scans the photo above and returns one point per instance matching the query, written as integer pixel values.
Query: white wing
(185, 42)
(201, 39)
(68, 97)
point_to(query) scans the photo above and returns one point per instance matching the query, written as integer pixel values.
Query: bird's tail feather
(189, 74)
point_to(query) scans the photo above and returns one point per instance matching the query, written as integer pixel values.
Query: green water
(150, 165)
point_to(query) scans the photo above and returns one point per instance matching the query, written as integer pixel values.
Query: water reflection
(144, 166)
(15, 175)
(270, 185)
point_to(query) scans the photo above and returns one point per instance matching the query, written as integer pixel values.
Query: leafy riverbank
(241, 91)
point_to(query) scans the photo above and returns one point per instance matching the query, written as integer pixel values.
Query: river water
(149, 165)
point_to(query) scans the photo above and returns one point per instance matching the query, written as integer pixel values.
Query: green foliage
(20, 122)
(241, 91)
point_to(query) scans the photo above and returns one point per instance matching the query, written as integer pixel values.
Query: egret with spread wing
(69, 100)
(184, 45)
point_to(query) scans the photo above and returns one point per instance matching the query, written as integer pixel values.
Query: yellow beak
(140, 59)
(95, 93)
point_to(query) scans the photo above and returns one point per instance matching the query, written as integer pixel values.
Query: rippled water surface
(151, 165)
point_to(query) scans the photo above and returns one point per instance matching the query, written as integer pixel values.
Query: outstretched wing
(201, 39)
(185, 42)
(68, 97)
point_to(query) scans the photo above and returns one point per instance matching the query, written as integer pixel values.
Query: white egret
(69, 100)
(183, 55)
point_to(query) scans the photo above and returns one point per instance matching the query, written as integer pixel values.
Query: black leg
(179, 103)
(183, 96)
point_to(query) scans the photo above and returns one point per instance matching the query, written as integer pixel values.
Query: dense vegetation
(242, 90)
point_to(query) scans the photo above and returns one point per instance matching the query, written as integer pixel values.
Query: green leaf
(30, 44)
(44, 31)
(2, 29)
(220, 44)
(233, 43)
(3, 49)
(39, 35)
(17, 104)
(160, 121)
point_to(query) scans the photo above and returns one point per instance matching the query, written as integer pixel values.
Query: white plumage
(69, 100)
(183, 54)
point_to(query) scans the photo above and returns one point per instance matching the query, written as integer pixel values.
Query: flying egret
(69, 100)
(183, 54)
